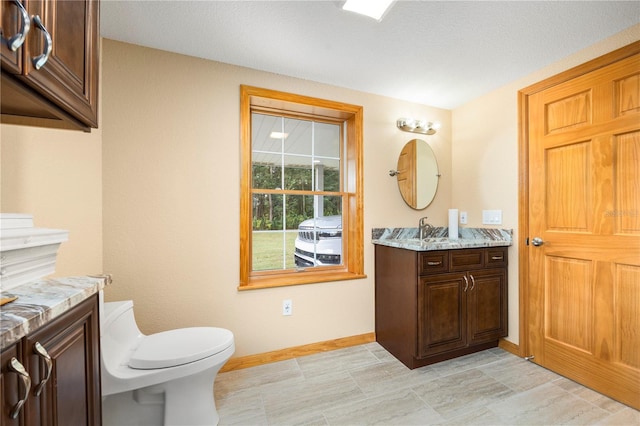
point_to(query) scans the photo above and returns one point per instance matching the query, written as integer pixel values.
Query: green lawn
(268, 250)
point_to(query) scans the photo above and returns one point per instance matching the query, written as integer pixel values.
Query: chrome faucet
(423, 226)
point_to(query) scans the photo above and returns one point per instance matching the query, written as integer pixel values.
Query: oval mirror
(417, 174)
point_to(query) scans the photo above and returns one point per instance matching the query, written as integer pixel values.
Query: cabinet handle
(42, 353)
(434, 263)
(16, 367)
(40, 60)
(497, 257)
(473, 282)
(466, 283)
(18, 39)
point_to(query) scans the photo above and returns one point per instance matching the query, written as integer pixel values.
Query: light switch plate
(492, 217)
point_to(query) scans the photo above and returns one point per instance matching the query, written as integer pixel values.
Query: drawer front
(496, 257)
(465, 259)
(433, 262)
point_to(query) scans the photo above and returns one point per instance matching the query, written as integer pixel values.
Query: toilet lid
(180, 346)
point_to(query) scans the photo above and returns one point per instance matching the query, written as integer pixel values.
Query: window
(301, 190)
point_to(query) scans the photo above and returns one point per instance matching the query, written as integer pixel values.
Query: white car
(319, 242)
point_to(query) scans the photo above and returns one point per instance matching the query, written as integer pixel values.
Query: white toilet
(160, 379)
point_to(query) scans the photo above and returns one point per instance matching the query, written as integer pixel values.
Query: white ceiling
(438, 53)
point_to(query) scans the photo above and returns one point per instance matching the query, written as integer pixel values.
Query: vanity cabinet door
(442, 315)
(487, 305)
(10, 13)
(71, 393)
(70, 76)
(61, 91)
(11, 387)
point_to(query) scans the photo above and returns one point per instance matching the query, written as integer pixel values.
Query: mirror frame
(417, 182)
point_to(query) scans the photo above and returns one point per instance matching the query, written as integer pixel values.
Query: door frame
(523, 173)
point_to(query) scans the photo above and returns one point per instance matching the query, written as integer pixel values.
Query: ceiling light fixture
(417, 126)
(372, 8)
(278, 135)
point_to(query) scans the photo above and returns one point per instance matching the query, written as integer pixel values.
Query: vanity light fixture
(417, 126)
(372, 8)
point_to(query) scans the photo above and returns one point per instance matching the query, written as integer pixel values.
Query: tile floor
(365, 385)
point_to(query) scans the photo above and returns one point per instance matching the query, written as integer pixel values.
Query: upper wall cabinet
(50, 60)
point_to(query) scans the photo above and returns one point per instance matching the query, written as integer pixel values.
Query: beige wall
(56, 175)
(485, 153)
(171, 164)
(169, 173)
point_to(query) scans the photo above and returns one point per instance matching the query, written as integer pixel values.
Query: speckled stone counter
(437, 238)
(41, 301)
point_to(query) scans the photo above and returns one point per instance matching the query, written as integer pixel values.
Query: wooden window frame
(266, 100)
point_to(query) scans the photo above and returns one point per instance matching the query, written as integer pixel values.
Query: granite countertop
(41, 301)
(437, 238)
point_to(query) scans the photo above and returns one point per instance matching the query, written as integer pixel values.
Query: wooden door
(583, 293)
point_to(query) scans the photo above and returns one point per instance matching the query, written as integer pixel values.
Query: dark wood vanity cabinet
(70, 394)
(436, 305)
(11, 387)
(63, 92)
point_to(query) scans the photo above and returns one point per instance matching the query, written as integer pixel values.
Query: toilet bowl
(164, 378)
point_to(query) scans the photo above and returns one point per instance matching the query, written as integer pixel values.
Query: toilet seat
(181, 346)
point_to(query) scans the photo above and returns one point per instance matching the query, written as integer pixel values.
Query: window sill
(289, 279)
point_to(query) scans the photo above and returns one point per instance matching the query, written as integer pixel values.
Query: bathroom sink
(421, 242)
(434, 240)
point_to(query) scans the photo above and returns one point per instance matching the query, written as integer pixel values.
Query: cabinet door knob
(18, 39)
(40, 60)
(473, 282)
(42, 353)
(497, 257)
(466, 283)
(17, 367)
(434, 263)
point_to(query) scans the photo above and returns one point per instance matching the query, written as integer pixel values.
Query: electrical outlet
(463, 218)
(287, 307)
